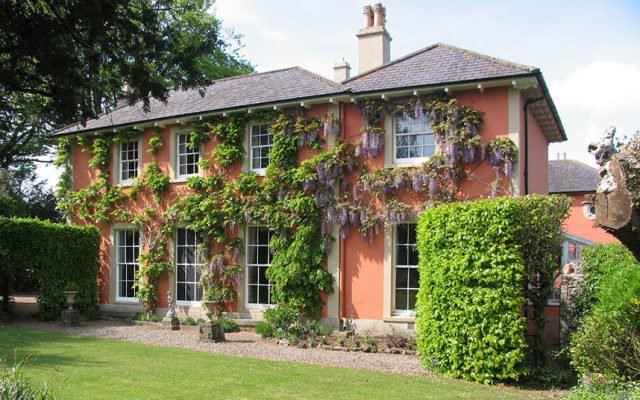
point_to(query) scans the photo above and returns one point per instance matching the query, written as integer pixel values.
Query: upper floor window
(188, 266)
(187, 157)
(129, 161)
(260, 146)
(413, 138)
(405, 269)
(258, 260)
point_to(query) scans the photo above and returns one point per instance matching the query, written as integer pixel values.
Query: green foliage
(469, 318)
(229, 325)
(218, 282)
(619, 390)
(154, 179)
(153, 266)
(264, 329)
(15, 386)
(598, 261)
(189, 321)
(60, 255)
(541, 243)
(608, 339)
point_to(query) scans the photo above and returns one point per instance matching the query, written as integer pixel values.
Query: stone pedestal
(211, 331)
(172, 324)
(71, 317)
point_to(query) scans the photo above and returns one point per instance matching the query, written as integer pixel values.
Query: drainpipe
(526, 141)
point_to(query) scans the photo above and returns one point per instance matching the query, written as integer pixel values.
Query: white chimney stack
(341, 71)
(373, 40)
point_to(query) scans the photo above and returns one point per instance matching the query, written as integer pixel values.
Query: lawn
(89, 368)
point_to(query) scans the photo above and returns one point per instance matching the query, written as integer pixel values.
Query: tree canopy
(67, 61)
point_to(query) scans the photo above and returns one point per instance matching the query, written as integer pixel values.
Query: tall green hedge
(479, 261)
(61, 256)
(470, 322)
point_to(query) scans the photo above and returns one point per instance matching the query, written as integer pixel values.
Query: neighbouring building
(375, 280)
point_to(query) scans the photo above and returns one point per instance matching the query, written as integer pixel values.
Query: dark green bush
(470, 300)
(62, 256)
(264, 329)
(608, 339)
(230, 325)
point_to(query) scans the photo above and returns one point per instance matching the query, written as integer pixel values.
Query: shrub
(285, 318)
(190, 321)
(230, 325)
(598, 260)
(264, 329)
(395, 341)
(608, 339)
(60, 255)
(469, 318)
(14, 386)
(605, 391)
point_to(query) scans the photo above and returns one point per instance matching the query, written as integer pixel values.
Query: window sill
(259, 172)
(127, 301)
(188, 304)
(259, 306)
(406, 164)
(400, 318)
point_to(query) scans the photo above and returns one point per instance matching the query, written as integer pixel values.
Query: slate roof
(436, 65)
(433, 65)
(229, 93)
(571, 176)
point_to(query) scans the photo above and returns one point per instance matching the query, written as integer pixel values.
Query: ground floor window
(405, 269)
(127, 253)
(188, 266)
(258, 260)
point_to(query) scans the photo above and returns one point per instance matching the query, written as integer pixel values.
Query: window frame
(118, 164)
(198, 267)
(262, 170)
(394, 136)
(247, 284)
(394, 265)
(117, 263)
(176, 156)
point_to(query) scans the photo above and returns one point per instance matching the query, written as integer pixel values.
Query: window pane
(253, 294)
(401, 300)
(263, 295)
(413, 294)
(402, 278)
(262, 276)
(413, 278)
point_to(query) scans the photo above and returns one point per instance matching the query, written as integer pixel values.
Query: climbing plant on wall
(304, 203)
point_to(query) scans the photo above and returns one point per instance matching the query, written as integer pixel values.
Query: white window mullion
(127, 253)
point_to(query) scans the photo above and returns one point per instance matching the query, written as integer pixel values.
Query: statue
(170, 320)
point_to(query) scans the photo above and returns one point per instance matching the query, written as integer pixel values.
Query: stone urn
(70, 316)
(212, 330)
(71, 298)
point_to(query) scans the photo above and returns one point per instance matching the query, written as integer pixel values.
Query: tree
(617, 197)
(64, 61)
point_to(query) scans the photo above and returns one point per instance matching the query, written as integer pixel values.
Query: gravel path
(242, 344)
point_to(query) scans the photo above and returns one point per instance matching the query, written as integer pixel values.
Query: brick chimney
(341, 71)
(373, 39)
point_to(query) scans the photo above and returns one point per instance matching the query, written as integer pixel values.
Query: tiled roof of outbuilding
(571, 176)
(433, 65)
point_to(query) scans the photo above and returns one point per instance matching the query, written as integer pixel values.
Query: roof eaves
(55, 134)
(552, 106)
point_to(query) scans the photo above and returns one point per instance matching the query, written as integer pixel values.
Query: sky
(588, 51)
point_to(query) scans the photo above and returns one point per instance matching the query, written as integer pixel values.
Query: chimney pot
(368, 16)
(378, 15)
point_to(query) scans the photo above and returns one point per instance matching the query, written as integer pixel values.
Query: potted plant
(217, 283)
(70, 293)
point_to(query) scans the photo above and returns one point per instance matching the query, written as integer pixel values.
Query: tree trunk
(616, 212)
(4, 286)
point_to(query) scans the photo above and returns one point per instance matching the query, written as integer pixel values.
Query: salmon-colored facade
(364, 271)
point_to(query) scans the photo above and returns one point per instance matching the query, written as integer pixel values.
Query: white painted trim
(173, 281)
(173, 161)
(113, 262)
(116, 149)
(390, 160)
(247, 305)
(250, 125)
(515, 132)
(389, 312)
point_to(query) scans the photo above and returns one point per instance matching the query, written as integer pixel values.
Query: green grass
(83, 368)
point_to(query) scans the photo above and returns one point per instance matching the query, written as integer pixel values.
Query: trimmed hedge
(61, 256)
(479, 261)
(470, 322)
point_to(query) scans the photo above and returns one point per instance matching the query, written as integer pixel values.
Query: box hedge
(61, 257)
(469, 314)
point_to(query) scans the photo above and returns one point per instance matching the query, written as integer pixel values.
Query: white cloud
(602, 87)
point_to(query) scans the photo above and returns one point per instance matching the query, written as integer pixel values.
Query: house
(374, 279)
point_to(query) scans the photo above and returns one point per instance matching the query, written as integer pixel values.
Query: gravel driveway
(242, 344)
